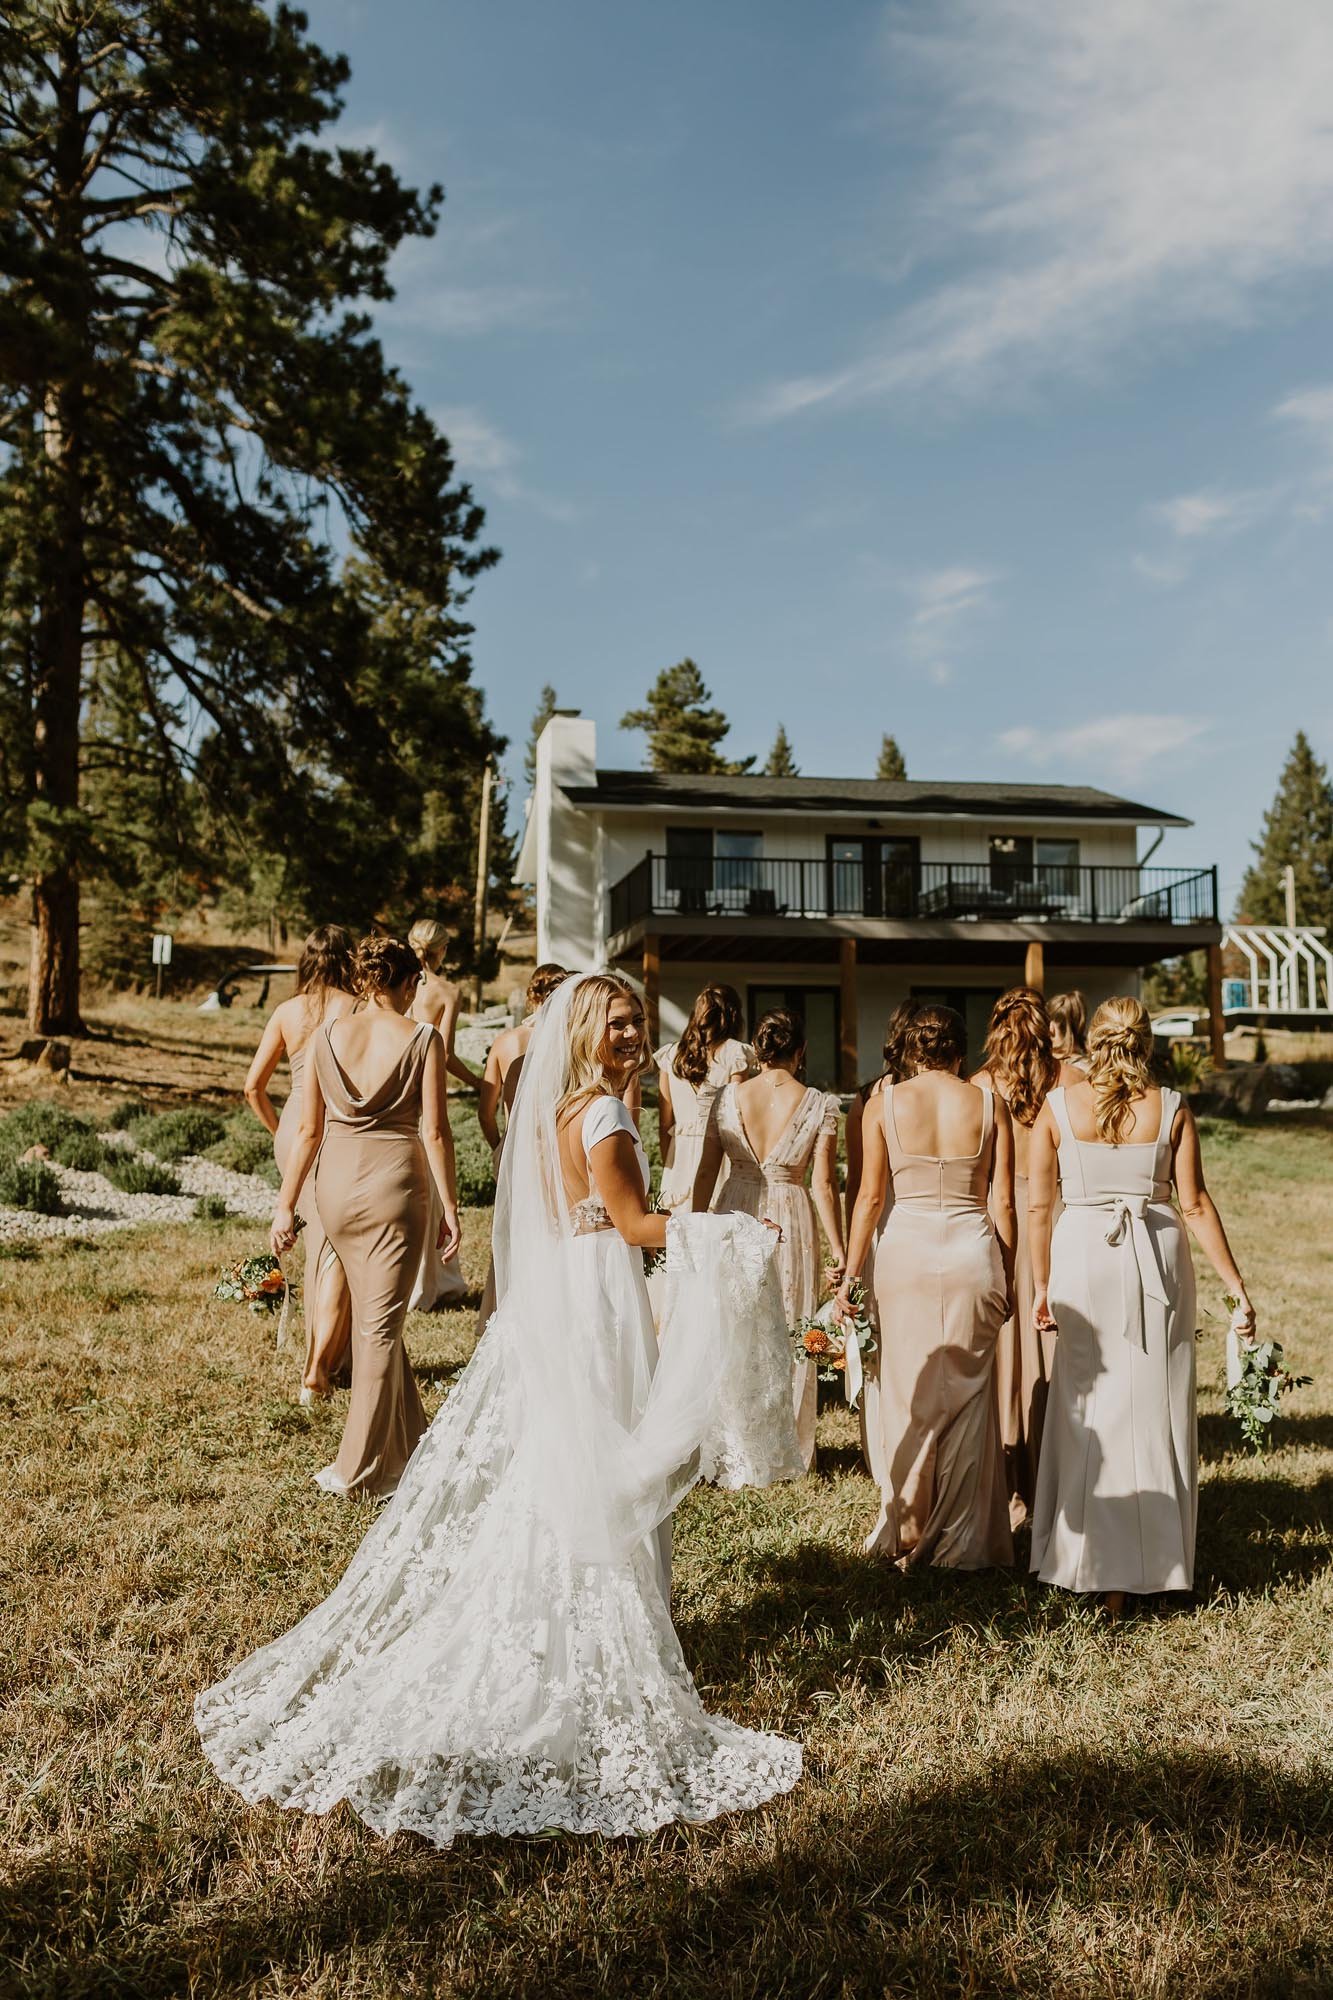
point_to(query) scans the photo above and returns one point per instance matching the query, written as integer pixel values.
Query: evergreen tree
(547, 702)
(684, 733)
(194, 420)
(1297, 829)
(781, 763)
(891, 765)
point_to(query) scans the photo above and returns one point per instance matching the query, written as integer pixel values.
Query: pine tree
(547, 702)
(890, 766)
(1297, 829)
(781, 762)
(684, 733)
(195, 422)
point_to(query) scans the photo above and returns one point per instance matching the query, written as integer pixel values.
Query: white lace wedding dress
(500, 1657)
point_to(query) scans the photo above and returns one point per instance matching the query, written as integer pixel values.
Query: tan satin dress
(375, 1197)
(774, 1189)
(940, 1299)
(326, 1304)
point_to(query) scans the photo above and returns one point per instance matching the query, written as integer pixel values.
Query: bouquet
(257, 1282)
(837, 1347)
(1257, 1379)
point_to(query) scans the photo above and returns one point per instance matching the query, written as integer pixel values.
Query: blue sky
(959, 369)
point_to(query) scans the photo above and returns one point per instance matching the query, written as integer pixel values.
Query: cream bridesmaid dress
(940, 1300)
(774, 1189)
(693, 1107)
(375, 1193)
(1117, 1489)
(326, 1305)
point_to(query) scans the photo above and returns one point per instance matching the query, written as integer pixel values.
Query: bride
(500, 1657)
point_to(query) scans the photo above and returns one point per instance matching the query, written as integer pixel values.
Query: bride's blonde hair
(586, 1035)
(1120, 1052)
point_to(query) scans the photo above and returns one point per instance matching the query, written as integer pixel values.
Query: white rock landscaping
(93, 1206)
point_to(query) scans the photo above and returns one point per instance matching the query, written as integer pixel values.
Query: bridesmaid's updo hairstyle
(1018, 1051)
(779, 1037)
(543, 984)
(428, 940)
(715, 1018)
(589, 1006)
(935, 1038)
(381, 964)
(1069, 1020)
(1120, 1058)
(325, 964)
(895, 1033)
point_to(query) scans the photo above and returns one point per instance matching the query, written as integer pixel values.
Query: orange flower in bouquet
(815, 1340)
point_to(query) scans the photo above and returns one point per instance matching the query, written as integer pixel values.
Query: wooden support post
(849, 1055)
(1034, 966)
(652, 987)
(1216, 1023)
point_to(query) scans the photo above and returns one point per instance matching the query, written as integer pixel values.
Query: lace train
(471, 1675)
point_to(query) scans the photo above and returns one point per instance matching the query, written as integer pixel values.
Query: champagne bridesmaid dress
(376, 1197)
(326, 1304)
(774, 1189)
(1024, 1358)
(940, 1300)
(1117, 1489)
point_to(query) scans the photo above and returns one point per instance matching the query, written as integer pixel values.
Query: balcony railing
(664, 885)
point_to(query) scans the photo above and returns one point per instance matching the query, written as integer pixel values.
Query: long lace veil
(601, 1485)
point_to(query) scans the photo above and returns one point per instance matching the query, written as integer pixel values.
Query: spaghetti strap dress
(1117, 1487)
(940, 1302)
(375, 1197)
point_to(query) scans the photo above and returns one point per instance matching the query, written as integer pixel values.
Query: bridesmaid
(385, 1165)
(437, 1002)
(942, 1286)
(323, 993)
(1117, 1488)
(691, 1073)
(773, 1131)
(1069, 1021)
(1021, 1067)
(891, 1072)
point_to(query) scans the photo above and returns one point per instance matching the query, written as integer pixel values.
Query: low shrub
(84, 1151)
(246, 1148)
(472, 1158)
(176, 1133)
(138, 1176)
(210, 1208)
(30, 1184)
(40, 1123)
(131, 1112)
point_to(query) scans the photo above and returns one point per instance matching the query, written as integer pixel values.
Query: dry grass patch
(1003, 1794)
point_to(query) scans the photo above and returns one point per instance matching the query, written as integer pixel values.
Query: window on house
(871, 876)
(818, 1007)
(736, 869)
(689, 866)
(1010, 859)
(1057, 866)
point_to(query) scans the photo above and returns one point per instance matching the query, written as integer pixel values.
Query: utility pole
(483, 875)
(1289, 890)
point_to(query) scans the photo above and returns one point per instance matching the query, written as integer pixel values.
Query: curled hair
(380, 964)
(325, 964)
(1068, 1016)
(779, 1037)
(585, 1073)
(426, 937)
(1120, 1054)
(934, 1038)
(544, 982)
(895, 1029)
(715, 1018)
(1018, 1051)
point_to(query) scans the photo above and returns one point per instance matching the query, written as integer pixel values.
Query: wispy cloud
(1104, 177)
(1213, 511)
(943, 602)
(1121, 747)
(1159, 570)
(486, 455)
(468, 310)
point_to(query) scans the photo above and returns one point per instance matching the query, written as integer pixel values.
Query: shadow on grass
(1257, 1533)
(1076, 1871)
(1219, 1437)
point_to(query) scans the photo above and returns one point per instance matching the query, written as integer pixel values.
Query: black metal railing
(686, 886)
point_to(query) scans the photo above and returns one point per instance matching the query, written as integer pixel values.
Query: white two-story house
(839, 897)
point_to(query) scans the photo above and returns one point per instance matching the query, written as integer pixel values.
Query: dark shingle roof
(909, 797)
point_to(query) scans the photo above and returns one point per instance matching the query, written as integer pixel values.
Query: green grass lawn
(1002, 1792)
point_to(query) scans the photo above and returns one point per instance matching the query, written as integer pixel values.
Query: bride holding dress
(500, 1657)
